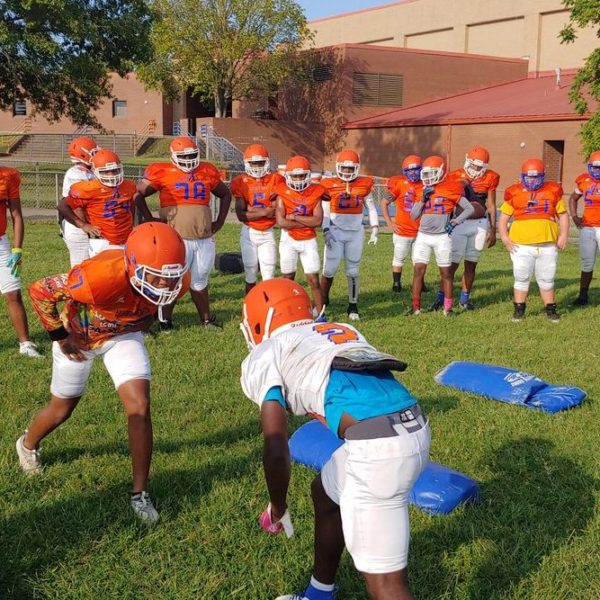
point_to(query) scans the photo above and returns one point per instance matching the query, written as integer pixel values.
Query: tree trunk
(220, 103)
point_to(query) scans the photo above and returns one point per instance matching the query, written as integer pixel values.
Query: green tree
(585, 13)
(58, 53)
(225, 50)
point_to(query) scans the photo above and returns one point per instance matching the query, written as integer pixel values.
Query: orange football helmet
(594, 165)
(434, 170)
(155, 260)
(107, 167)
(297, 173)
(533, 172)
(256, 160)
(272, 305)
(81, 150)
(185, 154)
(347, 159)
(476, 162)
(411, 167)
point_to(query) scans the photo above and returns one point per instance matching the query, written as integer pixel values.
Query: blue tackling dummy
(509, 385)
(438, 490)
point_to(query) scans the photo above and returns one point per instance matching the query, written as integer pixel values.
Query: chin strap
(160, 315)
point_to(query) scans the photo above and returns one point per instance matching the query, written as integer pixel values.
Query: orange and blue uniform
(589, 188)
(405, 194)
(302, 204)
(10, 182)
(347, 197)
(257, 193)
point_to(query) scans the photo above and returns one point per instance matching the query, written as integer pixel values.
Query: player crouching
(360, 498)
(108, 301)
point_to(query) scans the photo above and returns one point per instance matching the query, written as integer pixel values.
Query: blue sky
(315, 9)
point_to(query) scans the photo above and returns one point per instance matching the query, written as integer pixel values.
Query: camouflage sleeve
(45, 296)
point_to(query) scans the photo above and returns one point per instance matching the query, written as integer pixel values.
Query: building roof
(531, 99)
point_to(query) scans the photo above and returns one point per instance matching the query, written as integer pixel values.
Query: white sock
(323, 587)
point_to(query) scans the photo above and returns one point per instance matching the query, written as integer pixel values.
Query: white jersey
(77, 172)
(299, 361)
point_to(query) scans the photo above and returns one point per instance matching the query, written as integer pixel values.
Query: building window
(322, 72)
(376, 89)
(119, 108)
(19, 108)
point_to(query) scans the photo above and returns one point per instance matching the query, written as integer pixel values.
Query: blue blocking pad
(510, 385)
(438, 490)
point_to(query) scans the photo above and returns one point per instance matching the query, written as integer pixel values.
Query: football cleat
(466, 305)
(28, 459)
(396, 287)
(551, 313)
(412, 312)
(143, 508)
(311, 593)
(519, 312)
(581, 300)
(437, 305)
(166, 326)
(211, 324)
(353, 312)
(29, 349)
(449, 313)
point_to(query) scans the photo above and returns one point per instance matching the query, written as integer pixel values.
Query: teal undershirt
(360, 394)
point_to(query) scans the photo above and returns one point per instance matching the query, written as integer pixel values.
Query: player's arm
(492, 210)
(467, 213)
(276, 455)
(563, 230)
(144, 189)
(245, 213)
(222, 192)
(573, 200)
(282, 219)
(14, 207)
(67, 207)
(373, 218)
(313, 220)
(506, 211)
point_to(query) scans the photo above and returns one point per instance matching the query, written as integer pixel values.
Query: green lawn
(69, 534)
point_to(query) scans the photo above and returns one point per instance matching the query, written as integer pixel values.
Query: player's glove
(329, 239)
(427, 191)
(284, 524)
(374, 234)
(15, 261)
(450, 227)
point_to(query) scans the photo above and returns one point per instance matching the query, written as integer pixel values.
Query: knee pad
(545, 284)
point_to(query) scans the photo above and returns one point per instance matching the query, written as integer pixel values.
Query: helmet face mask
(256, 161)
(593, 166)
(111, 175)
(533, 173)
(433, 170)
(186, 160)
(146, 280)
(475, 168)
(82, 150)
(412, 174)
(297, 173)
(411, 168)
(347, 165)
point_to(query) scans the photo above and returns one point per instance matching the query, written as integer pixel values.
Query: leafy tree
(585, 13)
(225, 49)
(58, 53)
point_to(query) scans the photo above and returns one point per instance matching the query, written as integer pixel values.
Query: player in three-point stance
(108, 301)
(347, 196)
(299, 366)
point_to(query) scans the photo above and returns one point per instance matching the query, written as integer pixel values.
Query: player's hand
(15, 261)
(578, 222)
(491, 237)
(374, 234)
(396, 229)
(427, 191)
(509, 245)
(271, 523)
(216, 226)
(92, 230)
(329, 239)
(562, 241)
(71, 348)
(450, 226)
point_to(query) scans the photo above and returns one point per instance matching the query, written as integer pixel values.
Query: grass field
(69, 534)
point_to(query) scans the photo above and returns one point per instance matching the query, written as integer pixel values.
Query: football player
(343, 205)
(11, 258)
(184, 188)
(470, 237)
(588, 186)
(535, 206)
(106, 200)
(360, 498)
(403, 190)
(435, 207)
(81, 150)
(255, 196)
(299, 212)
(108, 301)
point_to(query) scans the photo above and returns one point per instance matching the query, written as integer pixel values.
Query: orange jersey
(99, 301)
(10, 182)
(590, 190)
(109, 208)
(405, 193)
(175, 186)
(347, 198)
(444, 198)
(301, 204)
(539, 204)
(257, 193)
